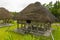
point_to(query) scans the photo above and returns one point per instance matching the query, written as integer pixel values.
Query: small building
(35, 15)
(5, 15)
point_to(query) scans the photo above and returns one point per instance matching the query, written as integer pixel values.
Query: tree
(54, 8)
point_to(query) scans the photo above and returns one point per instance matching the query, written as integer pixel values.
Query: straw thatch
(36, 12)
(5, 14)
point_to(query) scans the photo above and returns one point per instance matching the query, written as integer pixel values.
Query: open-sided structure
(5, 15)
(35, 17)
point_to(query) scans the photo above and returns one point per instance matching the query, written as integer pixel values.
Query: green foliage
(54, 8)
(14, 13)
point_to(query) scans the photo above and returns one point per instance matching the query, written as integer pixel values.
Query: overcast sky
(18, 5)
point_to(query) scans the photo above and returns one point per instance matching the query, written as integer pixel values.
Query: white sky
(18, 5)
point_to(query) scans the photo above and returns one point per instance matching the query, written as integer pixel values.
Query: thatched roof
(36, 12)
(5, 14)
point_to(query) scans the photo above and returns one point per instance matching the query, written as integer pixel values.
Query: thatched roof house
(34, 17)
(4, 14)
(36, 12)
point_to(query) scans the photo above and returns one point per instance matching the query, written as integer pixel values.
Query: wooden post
(27, 25)
(49, 25)
(4, 21)
(24, 25)
(17, 24)
(21, 25)
(45, 28)
(8, 21)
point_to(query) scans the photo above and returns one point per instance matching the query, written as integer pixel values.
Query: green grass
(56, 32)
(9, 35)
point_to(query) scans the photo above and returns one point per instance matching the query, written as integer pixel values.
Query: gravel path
(2, 25)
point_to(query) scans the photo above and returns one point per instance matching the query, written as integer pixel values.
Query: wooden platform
(34, 32)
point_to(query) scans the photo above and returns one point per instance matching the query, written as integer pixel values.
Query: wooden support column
(17, 24)
(24, 25)
(27, 25)
(21, 25)
(45, 27)
(4, 21)
(7, 20)
(49, 25)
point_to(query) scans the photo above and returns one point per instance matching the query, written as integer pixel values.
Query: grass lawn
(9, 35)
